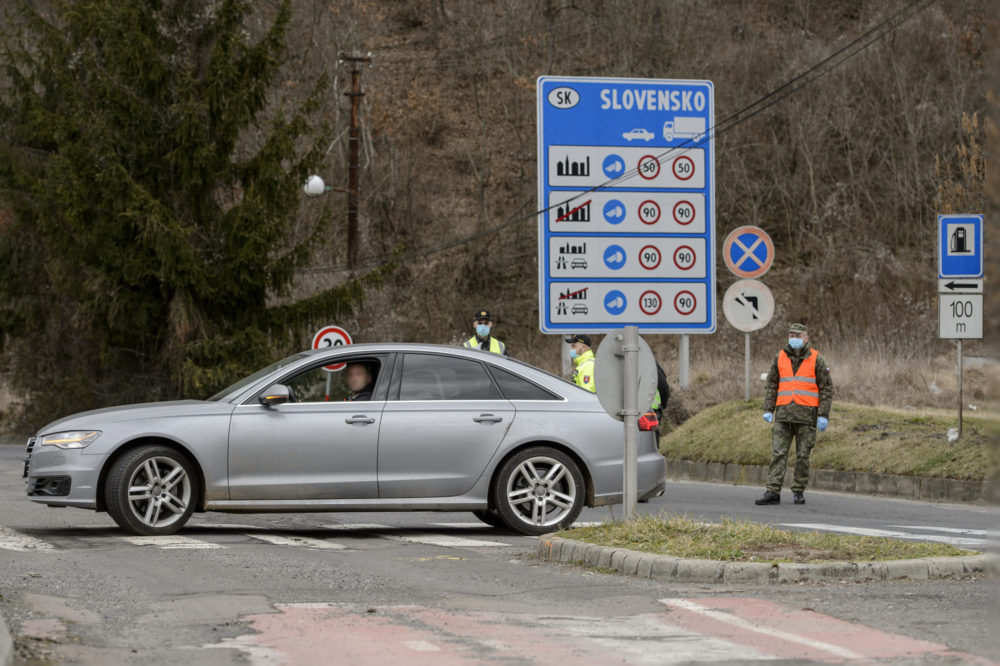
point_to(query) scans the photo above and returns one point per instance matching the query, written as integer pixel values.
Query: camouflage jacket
(794, 413)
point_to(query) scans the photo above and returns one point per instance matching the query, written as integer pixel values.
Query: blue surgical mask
(483, 331)
(796, 343)
(573, 354)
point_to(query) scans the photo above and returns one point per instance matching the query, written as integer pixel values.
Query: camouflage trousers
(781, 442)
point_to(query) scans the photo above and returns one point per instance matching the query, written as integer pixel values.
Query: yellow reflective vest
(583, 374)
(496, 347)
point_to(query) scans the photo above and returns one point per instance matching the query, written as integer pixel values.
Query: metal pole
(746, 367)
(960, 388)
(329, 378)
(683, 359)
(567, 362)
(353, 168)
(630, 474)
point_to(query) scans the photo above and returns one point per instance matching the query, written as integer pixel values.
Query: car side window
(437, 377)
(516, 388)
(318, 384)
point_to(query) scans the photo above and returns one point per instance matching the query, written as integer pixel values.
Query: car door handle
(487, 418)
(359, 418)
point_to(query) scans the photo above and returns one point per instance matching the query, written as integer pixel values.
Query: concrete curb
(6, 645)
(864, 483)
(682, 570)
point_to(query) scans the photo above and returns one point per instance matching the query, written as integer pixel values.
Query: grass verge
(744, 541)
(859, 439)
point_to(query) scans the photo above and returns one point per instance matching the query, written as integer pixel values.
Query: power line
(730, 122)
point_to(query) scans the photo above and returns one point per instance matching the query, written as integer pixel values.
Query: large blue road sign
(626, 183)
(960, 246)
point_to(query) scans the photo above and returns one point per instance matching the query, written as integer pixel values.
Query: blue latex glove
(768, 416)
(822, 423)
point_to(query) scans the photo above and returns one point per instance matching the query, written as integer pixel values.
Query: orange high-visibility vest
(801, 387)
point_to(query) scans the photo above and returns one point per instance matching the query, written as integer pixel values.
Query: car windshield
(230, 391)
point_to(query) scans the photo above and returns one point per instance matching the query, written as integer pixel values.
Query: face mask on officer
(572, 353)
(483, 330)
(796, 343)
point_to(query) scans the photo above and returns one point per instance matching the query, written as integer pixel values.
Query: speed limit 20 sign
(329, 337)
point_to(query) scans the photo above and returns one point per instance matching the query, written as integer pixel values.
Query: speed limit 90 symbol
(683, 212)
(684, 257)
(685, 302)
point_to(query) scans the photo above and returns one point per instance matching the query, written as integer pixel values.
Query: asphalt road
(442, 589)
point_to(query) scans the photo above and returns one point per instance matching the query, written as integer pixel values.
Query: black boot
(797, 495)
(769, 498)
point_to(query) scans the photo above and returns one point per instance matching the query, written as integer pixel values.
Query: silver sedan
(369, 427)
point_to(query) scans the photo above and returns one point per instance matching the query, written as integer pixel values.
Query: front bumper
(61, 477)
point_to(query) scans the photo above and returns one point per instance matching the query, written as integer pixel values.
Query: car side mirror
(275, 395)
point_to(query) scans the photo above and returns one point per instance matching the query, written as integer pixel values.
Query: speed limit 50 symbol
(685, 302)
(649, 167)
(683, 212)
(683, 167)
(684, 257)
(649, 212)
(650, 257)
(650, 302)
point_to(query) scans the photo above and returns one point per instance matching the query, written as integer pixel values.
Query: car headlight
(76, 439)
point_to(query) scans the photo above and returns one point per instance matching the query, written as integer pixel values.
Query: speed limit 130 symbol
(684, 257)
(683, 212)
(650, 302)
(649, 212)
(683, 167)
(650, 257)
(649, 167)
(685, 302)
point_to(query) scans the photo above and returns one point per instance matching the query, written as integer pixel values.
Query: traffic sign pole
(746, 367)
(630, 473)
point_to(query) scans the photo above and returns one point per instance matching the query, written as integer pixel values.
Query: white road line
(735, 621)
(892, 534)
(422, 646)
(444, 540)
(169, 542)
(463, 526)
(306, 542)
(950, 530)
(357, 526)
(14, 540)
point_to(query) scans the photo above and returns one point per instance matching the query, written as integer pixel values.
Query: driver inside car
(359, 381)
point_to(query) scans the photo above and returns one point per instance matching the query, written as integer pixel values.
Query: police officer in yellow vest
(797, 399)
(583, 361)
(483, 339)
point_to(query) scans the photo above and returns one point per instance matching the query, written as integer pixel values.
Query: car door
(317, 447)
(441, 426)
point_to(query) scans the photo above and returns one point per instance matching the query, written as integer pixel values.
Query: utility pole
(353, 145)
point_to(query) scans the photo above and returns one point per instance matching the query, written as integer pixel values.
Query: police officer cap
(585, 339)
(482, 314)
(797, 328)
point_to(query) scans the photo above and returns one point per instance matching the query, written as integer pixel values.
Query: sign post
(960, 284)
(748, 304)
(625, 373)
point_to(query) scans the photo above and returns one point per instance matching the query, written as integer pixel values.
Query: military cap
(482, 314)
(585, 339)
(797, 328)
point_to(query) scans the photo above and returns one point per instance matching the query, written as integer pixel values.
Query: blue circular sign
(614, 166)
(748, 252)
(615, 302)
(614, 257)
(614, 211)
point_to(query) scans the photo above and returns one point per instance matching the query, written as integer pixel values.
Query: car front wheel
(151, 491)
(539, 490)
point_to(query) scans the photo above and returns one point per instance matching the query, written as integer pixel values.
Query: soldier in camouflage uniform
(797, 399)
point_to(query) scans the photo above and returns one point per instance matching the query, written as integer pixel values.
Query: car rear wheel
(151, 490)
(539, 490)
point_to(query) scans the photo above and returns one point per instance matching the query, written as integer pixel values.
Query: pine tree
(150, 188)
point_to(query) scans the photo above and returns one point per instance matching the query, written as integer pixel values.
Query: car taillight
(648, 421)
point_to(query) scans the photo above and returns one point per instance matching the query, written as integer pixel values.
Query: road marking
(169, 542)
(746, 625)
(950, 530)
(422, 646)
(307, 542)
(357, 526)
(443, 540)
(463, 526)
(22, 543)
(892, 534)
